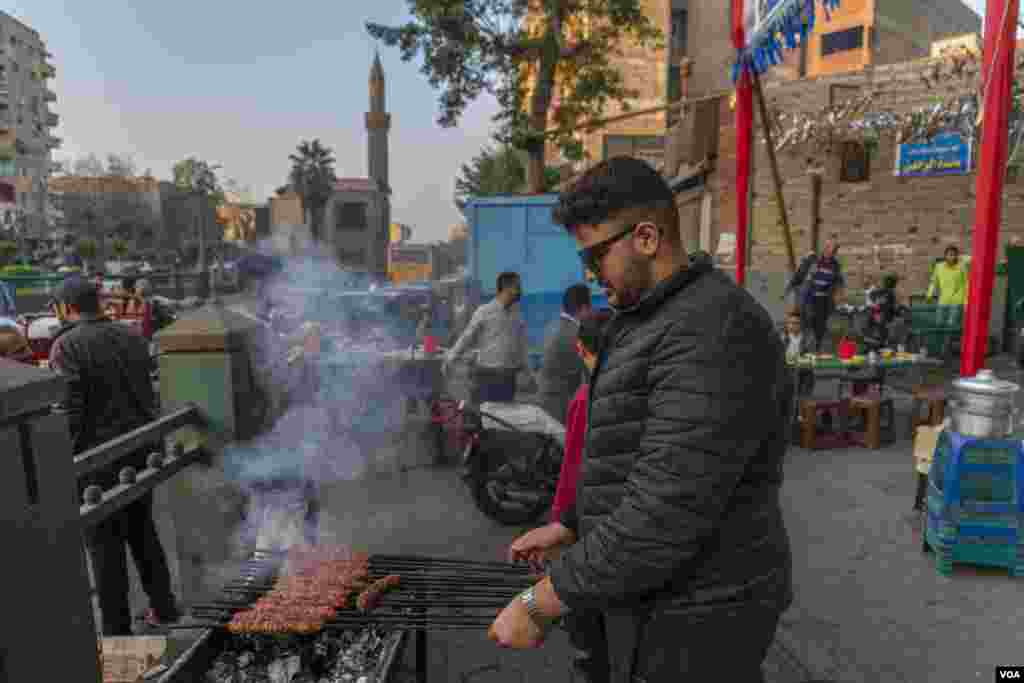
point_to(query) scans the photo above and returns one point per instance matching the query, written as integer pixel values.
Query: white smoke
(346, 402)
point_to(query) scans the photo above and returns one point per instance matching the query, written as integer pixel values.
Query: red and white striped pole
(997, 72)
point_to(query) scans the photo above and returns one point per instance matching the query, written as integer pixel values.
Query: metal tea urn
(983, 406)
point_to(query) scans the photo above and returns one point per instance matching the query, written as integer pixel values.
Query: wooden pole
(776, 176)
(815, 210)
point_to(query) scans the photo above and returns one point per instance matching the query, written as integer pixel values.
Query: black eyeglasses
(593, 255)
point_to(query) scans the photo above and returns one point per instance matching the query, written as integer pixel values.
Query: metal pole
(997, 70)
(769, 144)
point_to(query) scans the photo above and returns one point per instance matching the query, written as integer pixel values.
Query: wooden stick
(815, 210)
(777, 177)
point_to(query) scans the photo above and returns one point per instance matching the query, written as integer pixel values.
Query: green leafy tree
(497, 171)
(120, 249)
(8, 250)
(199, 177)
(312, 177)
(87, 249)
(524, 52)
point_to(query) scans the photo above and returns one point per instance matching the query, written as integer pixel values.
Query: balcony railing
(49, 96)
(101, 504)
(50, 70)
(53, 142)
(52, 120)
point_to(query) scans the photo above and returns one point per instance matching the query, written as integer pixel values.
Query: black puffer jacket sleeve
(709, 387)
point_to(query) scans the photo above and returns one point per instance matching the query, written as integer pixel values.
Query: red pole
(1000, 35)
(744, 144)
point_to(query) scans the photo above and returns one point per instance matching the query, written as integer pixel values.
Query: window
(855, 163)
(675, 93)
(841, 41)
(650, 148)
(679, 28)
(351, 216)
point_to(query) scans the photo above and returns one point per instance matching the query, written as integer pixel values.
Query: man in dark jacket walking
(111, 393)
(676, 536)
(562, 371)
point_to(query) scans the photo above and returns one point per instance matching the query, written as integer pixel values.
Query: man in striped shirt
(819, 280)
(497, 332)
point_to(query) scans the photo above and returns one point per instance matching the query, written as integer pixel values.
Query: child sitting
(799, 343)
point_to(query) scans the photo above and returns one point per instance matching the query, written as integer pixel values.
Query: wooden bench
(871, 406)
(810, 411)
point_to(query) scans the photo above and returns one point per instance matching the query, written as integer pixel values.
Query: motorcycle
(511, 469)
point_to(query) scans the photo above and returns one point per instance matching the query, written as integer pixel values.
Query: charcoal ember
(254, 675)
(223, 670)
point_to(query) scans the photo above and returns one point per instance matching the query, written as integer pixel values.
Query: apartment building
(26, 127)
(864, 33)
(860, 34)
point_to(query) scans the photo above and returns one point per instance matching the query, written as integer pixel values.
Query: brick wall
(887, 224)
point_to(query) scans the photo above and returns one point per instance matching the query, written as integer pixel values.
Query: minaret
(378, 123)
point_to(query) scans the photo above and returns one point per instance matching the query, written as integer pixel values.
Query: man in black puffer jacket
(677, 537)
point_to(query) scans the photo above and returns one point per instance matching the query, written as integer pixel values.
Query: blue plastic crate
(976, 503)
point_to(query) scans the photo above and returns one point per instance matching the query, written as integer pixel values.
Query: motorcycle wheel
(492, 497)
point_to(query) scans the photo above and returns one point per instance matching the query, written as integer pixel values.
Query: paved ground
(870, 606)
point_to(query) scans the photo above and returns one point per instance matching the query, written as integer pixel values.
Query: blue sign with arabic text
(946, 154)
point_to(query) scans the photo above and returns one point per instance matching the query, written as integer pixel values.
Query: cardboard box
(925, 441)
(127, 659)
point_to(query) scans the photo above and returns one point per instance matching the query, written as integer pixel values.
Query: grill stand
(422, 656)
(44, 575)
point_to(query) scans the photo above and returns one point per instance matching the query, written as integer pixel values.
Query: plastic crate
(976, 503)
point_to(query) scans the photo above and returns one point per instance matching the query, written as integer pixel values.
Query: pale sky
(240, 84)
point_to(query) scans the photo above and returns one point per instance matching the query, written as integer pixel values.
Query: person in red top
(586, 632)
(587, 346)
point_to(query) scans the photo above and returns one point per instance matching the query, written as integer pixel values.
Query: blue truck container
(516, 233)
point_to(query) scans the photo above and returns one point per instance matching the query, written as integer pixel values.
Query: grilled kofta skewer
(370, 598)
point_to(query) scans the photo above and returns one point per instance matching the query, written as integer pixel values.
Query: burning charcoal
(222, 671)
(283, 670)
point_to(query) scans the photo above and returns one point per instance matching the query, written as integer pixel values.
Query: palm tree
(312, 177)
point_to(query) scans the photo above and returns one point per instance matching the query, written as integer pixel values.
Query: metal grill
(434, 594)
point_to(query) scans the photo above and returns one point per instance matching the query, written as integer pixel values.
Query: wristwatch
(529, 598)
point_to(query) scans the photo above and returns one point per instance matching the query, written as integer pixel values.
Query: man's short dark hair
(128, 283)
(575, 298)
(612, 186)
(506, 280)
(951, 248)
(592, 327)
(78, 292)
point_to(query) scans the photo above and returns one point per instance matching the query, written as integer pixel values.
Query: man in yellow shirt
(951, 279)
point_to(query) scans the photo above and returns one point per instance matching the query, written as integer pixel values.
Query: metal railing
(99, 504)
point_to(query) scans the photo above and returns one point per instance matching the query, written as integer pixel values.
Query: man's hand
(534, 546)
(515, 629)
